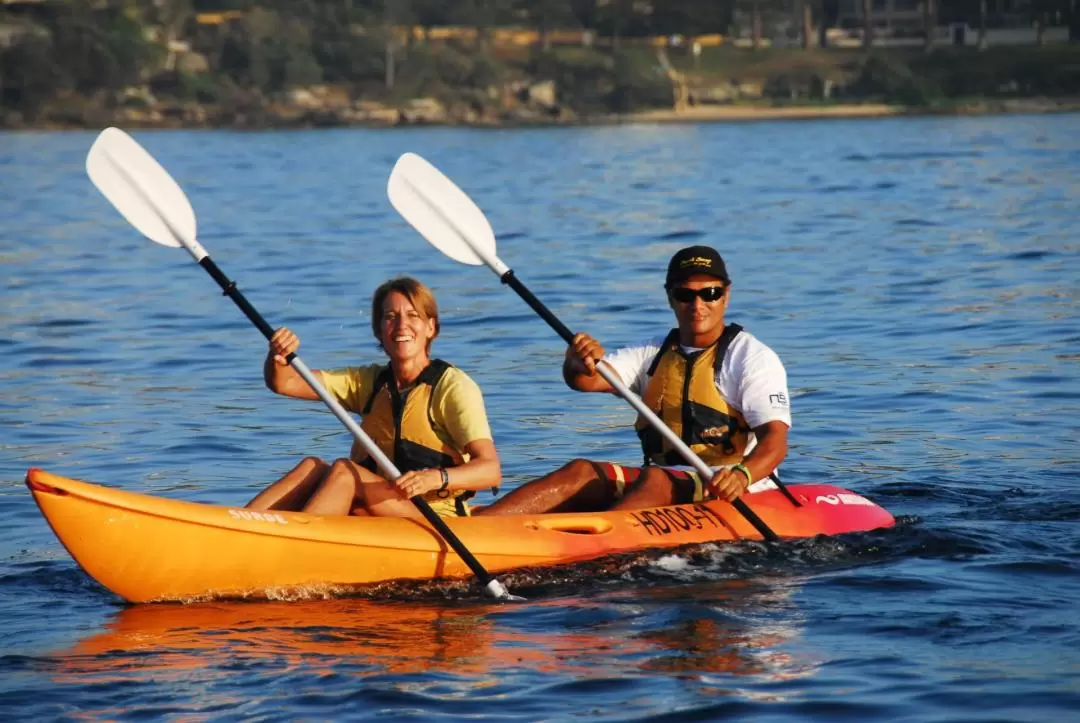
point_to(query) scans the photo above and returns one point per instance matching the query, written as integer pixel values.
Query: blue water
(919, 277)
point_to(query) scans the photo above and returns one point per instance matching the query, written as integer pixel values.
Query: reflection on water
(720, 630)
(388, 636)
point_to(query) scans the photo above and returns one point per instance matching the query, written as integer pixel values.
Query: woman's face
(406, 332)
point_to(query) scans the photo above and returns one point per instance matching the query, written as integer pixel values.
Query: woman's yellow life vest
(682, 391)
(400, 424)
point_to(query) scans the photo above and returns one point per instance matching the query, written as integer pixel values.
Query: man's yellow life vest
(682, 391)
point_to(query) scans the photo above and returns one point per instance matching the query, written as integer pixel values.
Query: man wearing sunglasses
(715, 385)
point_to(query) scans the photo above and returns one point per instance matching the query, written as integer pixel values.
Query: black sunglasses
(684, 295)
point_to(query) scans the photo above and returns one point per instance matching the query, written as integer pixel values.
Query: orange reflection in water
(391, 637)
(622, 634)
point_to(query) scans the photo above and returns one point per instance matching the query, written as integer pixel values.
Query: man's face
(701, 321)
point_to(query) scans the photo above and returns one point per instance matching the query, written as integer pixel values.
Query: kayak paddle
(452, 223)
(147, 196)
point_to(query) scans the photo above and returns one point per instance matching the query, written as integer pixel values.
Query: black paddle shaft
(538, 306)
(229, 289)
(568, 336)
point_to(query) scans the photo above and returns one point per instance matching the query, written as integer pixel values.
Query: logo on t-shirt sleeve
(778, 400)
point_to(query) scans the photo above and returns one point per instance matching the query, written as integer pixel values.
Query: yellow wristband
(742, 468)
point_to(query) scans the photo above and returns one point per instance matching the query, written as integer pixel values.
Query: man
(723, 392)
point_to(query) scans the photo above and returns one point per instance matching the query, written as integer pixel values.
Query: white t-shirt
(751, 378)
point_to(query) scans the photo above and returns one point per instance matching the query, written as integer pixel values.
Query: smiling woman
(150, 199)
(427, 416)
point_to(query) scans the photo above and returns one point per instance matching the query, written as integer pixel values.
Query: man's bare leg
(653, 488)
(574, 487)
(293, 490)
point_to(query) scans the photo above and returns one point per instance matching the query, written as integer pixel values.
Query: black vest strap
(382, 379)
(459, 502)
(432, 373)
(671, 343)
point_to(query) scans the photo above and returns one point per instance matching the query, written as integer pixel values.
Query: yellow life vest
(682, 391)
(400, 424)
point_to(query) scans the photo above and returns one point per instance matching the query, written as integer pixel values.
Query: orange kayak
(146, 548)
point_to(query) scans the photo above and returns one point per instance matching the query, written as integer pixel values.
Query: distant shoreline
(722, 113)
(736, 112)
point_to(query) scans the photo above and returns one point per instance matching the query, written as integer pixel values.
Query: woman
(425, 415)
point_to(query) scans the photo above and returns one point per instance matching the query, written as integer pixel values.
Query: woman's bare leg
(382, 499)
(293, 490)
(342, 489)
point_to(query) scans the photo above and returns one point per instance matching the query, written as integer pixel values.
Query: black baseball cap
(695, 260)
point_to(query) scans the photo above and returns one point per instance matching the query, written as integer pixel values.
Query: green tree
(299, 66)
(804, 16)
(930, 21)
(868, 24)
(982, 43)
(28, 75)
(341, 42)
(830, 10)
(1048, 13)
(431, 13)
(100, 48)
(482, 15)
(171, 16)
(269, 50)
(618, 18)
(545, 16)
(691, 17)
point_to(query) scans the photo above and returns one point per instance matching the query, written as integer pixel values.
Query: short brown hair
(418, 295)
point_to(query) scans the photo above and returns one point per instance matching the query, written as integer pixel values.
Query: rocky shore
(328, 107)
(591, 90)
(705, 114)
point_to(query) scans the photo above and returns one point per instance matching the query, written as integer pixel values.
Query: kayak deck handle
(577, 525)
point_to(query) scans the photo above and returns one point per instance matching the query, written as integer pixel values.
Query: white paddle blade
(442, 213)
(140, 189)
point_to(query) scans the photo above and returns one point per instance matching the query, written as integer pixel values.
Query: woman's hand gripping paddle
(452, 223)
(148, 197)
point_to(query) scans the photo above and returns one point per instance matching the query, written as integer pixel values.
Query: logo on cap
(696, 261)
